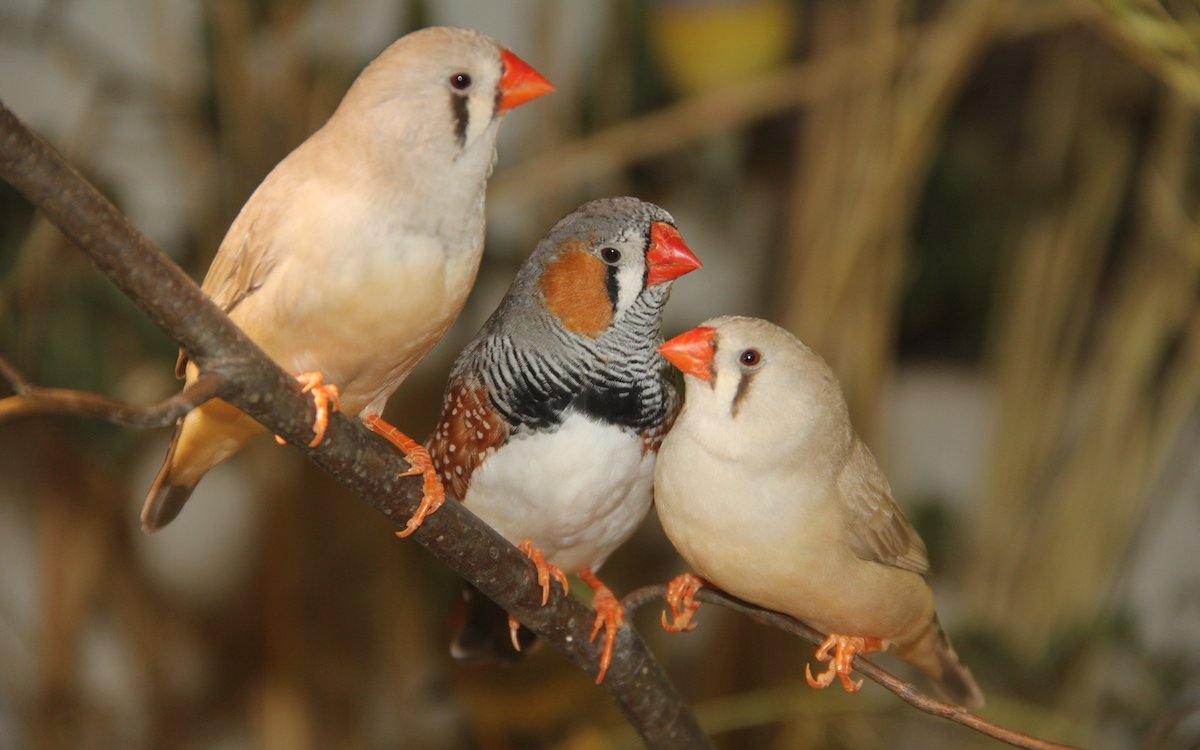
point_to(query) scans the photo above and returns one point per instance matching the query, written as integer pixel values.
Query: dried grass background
(1006, 189)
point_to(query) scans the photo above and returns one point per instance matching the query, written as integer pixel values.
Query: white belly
(577, 493)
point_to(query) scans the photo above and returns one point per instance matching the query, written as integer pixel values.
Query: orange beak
(669, 257)
(692, 352)
(520, 83)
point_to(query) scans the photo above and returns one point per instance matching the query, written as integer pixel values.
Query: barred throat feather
(517, 380)
(615, 377)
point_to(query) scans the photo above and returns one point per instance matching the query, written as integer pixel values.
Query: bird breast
(776, 538)
(578, 491)
(361, 298)
(747, 531)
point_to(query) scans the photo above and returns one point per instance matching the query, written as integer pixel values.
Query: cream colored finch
(356, 253)
(765, 489)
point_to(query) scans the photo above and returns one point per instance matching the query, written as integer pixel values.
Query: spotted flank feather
(470, 431)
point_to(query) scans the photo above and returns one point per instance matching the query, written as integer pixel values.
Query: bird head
(443, 85)
(756, 382)
(609, 259)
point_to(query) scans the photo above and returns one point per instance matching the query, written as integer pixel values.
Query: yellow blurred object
(704, 44)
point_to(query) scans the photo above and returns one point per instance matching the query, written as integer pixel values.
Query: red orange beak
(692, 352)
(669, 257)
(520, 83)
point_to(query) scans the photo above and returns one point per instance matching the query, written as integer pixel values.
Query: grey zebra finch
(553, 414)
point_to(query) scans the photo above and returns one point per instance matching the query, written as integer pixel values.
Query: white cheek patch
(630, 277)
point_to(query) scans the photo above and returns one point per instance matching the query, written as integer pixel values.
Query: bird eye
(460, 81)
(750, 358)
(610, 255)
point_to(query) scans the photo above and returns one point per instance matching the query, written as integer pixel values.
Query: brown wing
(239, 268)
(470, 430)
(878, 530)
(244, 261)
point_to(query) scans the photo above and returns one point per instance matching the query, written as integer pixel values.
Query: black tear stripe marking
(649, 244)
(462, 118)
(610, 283)
(742, 389)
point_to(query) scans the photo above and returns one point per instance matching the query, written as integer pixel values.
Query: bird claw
(841, 661)
(433, 494)
(610, 615)
(514, 625)
(681, 596)
(544, 570)
(326, 398)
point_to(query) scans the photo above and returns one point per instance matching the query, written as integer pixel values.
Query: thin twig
(33, 400)
(353, 456)
(905, 690)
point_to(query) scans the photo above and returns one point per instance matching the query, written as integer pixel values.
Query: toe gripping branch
(326, 399)
(545, 572)
(681, 596)
(842, 660)
(610, 615)
(433, 494)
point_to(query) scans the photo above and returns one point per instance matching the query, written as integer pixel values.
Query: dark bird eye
(460, 81)
(750, 357)
(610, 255)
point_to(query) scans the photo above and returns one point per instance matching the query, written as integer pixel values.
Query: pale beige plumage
(357, 251)
(765, 489)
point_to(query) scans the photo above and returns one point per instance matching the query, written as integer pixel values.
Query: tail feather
(481, 630)
(935, 656)
(167, 495)
(204, 438)
(163, 504)
(956, 681)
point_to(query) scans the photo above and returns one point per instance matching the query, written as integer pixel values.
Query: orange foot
(681, 595)
(842, 661)
(434, 494)
(610, 615)
(324, 397)
(544, 570)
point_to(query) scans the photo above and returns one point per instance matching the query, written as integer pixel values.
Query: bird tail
(167, 495)
(935, 656)
(480, 630)
(204, 438)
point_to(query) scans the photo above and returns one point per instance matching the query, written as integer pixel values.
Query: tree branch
(360, 461)
(35, 400)
(905, 690)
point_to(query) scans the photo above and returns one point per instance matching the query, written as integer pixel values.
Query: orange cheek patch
(575, 287)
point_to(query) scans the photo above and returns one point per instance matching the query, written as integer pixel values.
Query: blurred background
(984, 214)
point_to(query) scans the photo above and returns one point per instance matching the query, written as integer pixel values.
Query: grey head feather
(536, 370)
